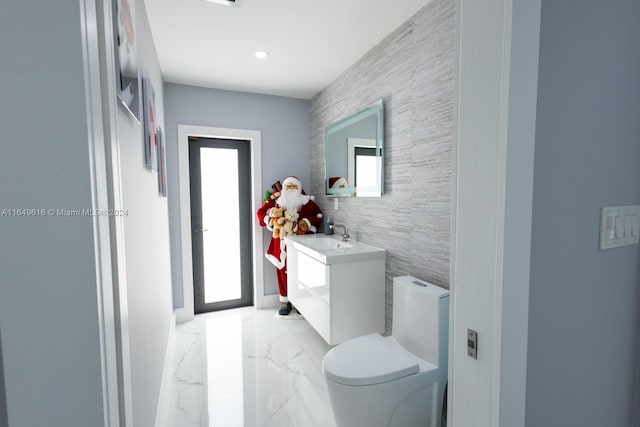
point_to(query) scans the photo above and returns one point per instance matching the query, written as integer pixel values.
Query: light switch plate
(619, 226)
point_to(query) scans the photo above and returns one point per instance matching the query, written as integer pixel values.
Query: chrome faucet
(345, 235)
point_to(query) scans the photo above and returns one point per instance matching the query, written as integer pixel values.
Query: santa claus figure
(274, 214)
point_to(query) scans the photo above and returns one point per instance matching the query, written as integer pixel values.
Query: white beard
(292, 200)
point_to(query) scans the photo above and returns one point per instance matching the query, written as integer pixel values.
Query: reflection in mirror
(354, 151)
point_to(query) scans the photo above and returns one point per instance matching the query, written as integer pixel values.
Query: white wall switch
(627, 225)
(619, 226)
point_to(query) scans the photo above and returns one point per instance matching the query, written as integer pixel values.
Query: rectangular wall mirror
(354, 154)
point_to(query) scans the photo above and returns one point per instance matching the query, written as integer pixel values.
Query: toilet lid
(370, 359)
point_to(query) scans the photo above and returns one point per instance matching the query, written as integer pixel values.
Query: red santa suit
(292, 198)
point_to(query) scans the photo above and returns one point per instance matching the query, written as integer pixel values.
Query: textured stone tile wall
(412, 70)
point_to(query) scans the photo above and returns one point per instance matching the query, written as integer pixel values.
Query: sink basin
(332, 250)
(321, 243)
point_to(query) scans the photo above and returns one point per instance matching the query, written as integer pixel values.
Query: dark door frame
(243, 148)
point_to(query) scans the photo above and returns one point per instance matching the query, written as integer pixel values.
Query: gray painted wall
(584, 303)
(284, 126)
(148, 263)
(412, 70)
(48, 301)
(48, 298)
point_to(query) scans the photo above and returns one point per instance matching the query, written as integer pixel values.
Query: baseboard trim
(161, 410)
(268, 301)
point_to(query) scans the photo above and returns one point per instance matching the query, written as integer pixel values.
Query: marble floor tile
(246, 367)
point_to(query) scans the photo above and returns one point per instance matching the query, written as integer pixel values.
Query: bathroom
(443, 74)
(418, 138)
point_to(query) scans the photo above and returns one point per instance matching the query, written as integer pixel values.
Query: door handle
(200, 230)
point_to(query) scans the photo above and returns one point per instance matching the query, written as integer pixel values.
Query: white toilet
(399, 380)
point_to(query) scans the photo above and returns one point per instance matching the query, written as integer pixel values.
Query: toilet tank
(421, 319)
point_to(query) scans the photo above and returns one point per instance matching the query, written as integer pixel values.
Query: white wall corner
(522, 104)
(636, 406)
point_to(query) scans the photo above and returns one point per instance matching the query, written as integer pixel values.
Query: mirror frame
(376, 109)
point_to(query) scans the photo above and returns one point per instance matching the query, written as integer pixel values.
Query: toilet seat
(370, 359)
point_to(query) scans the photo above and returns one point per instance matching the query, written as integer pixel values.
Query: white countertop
(332, 250)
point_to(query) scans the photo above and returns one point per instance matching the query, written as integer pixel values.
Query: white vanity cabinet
(338, 287)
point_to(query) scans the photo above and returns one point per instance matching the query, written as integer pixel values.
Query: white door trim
(4, 422)
(99, 78)
(184, 131)
(117, 234)
(496, 95)
(636, 415)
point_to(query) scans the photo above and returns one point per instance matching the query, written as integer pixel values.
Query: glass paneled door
(221, 221)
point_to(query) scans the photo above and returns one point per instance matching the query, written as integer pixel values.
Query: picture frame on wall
(126, 57)
(149, 125)
(162, 164)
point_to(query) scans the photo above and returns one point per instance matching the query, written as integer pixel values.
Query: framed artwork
(162, 164)
(126, 57)
(149, 122)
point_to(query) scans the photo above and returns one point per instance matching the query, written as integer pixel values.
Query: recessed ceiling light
(226, 2)
(261, 54)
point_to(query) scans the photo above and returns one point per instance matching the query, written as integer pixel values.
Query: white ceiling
(310, 42)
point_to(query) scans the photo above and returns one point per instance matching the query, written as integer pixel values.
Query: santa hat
(337, 182)
(291, 180)
(294, 180)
